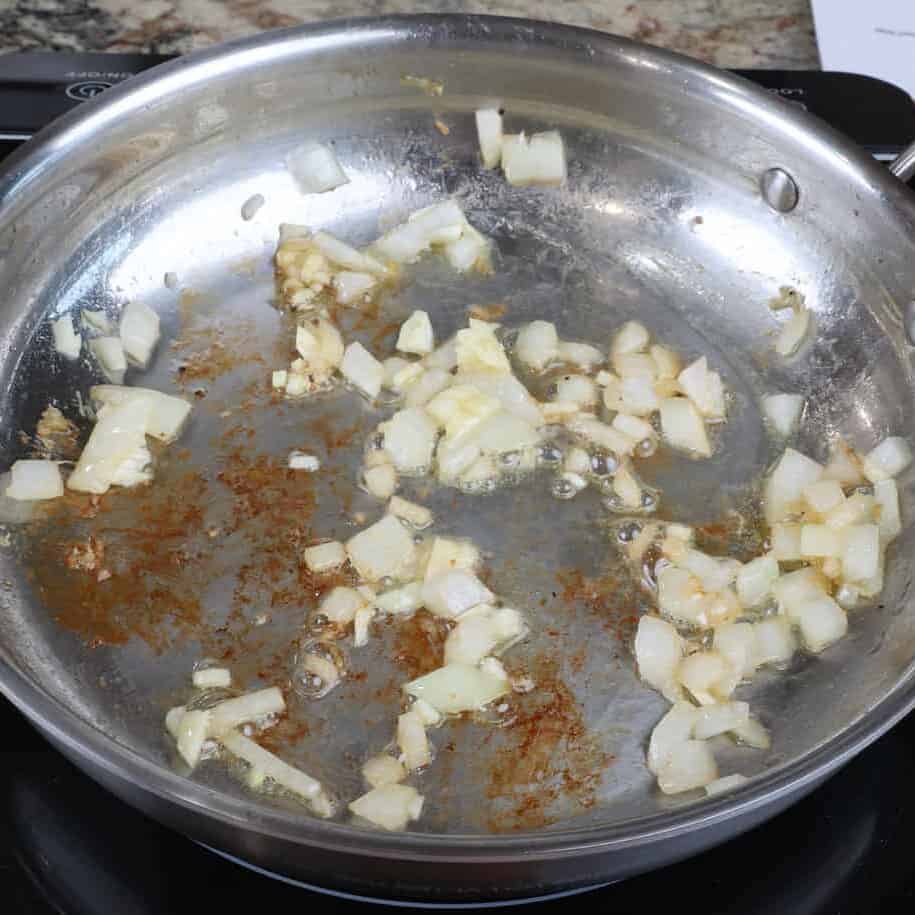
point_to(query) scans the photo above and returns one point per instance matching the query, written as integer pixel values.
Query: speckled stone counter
(730, 33)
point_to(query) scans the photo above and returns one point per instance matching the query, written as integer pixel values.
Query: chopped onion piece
(726, 784)
(848, 597)
(409, 440)
(426, 386)
(503, 432)
(361, 625)
(577, 461)
(167, 414)
(755, 580)
(32, 480)
(339, 252)
(861, 556)
(820, 541)
(429, 716)
(173, 720)
(704, 675)
(482, 631)
(457, 688)
(637, 429)
(489, 134)
(116, 452)
(416, 335)
(324, 557)
(714, 573)
(658, 651)
(844, 466)
(822, 621)
(436, 224)
(383, 770)
(786, 542)
(713, 720)
(537, 345)
(823, 496)
(315, 167)
(460, 408)
(736, 643)
(444, 357)
(886, 495)
(632, 337)
(775, 641)
(508, 390)
(704, 388)
(139, 332)
(211, 677)
(110, 355)
(666, 361)
(752, 734)
(792, 332)
(401, 600)
(479, 350)
(670, 733)
(692, 766)
(383, 550)
(350, 286)
(793, 473)
(539, 160)
(417, 516)
(682, 426)
(286, 776)
(391, 807)
(888, 459)
(67, 341)
(400, 375)
(193, 730)
(340, 605)
(858, 508)
(97, 321)
(681, 596)
(360, 368)
(469, 251)
(583, 355)
(798, 587)
(299, 460)
(783, 412)
(448, 554)
(451, 593)
(578, 389)
(626, 487)
(601, 434)
(637, 396)
(381, 480)
(230, 713)
(635, 365)
(411, 738)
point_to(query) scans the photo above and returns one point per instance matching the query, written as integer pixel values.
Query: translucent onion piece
(315, 168)
(33, 480)
(457, 688)
(389, 806)
(383, 550)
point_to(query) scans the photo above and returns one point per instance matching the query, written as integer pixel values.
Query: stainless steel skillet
(668, 215)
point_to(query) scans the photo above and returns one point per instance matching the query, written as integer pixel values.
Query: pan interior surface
(661, 220)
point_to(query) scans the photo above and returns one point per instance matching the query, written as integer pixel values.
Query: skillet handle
(903, 166)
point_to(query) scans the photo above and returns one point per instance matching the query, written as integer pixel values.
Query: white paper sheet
(874, 37)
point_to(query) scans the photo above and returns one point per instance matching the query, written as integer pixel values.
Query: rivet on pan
(908, 315)
(779, 190)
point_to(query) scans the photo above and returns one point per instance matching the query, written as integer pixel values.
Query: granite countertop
(730, 33)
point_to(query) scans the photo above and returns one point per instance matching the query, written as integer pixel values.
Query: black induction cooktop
(67, 846)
